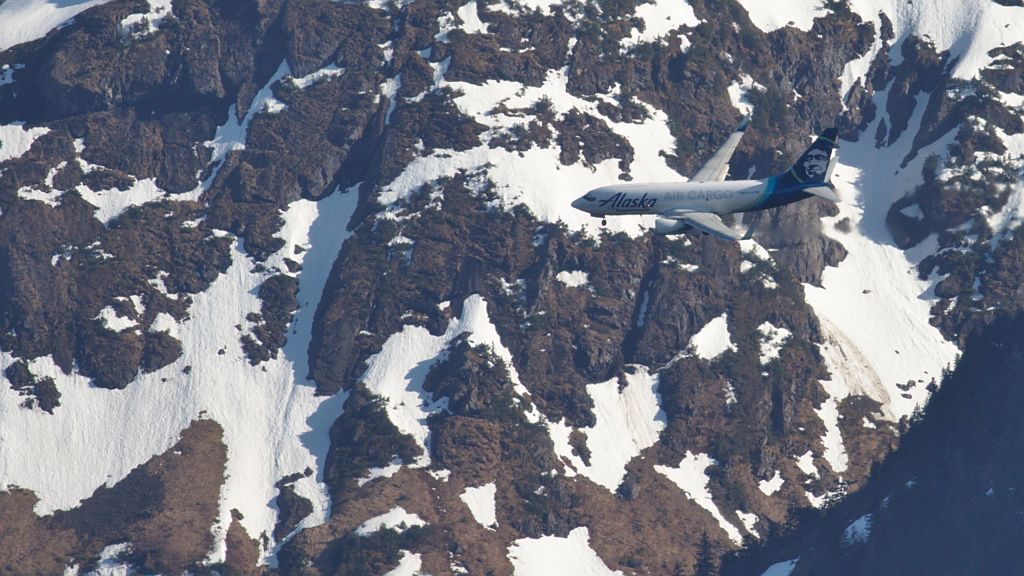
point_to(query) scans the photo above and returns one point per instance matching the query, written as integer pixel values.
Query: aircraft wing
(706, 222)
(717, 167)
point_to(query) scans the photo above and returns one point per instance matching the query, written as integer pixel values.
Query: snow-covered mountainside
(295, 285)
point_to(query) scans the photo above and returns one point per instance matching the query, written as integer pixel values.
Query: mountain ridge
(292, 193)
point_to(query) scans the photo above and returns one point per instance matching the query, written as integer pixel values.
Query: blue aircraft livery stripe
(769, 188)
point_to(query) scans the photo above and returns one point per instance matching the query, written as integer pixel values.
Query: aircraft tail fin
(815, 165)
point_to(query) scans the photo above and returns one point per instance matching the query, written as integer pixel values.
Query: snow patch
(781, 569)
(329, 71)
(835, 450)
(114, 322)
(556, 556)
(858, 531)
(713, 339)
(738, 93)
(773, 340)
(382, 472)
(395, 519)
(628, 421)
(142, 25)
(749, 522)
(110, 204)
(481, 503)
(164, 322)
(661, 17)
(109, 565)
(471, 23)
(770, 16)
(408, 565)
(15, 139)
(573, 279)
(7, 73)
(231, 135)
(772, 485)
(690, 476)
(806, 464)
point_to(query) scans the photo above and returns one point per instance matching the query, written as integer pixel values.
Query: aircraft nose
(578, 203)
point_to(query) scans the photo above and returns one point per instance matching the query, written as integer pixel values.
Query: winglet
(750, 231)
(743, 124)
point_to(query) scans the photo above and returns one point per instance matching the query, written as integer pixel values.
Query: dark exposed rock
(583, 134)
(291, 508)
(38, 391)
(163, 509)
(278, 302)
(470, 446)
(242, 554)
(363, 439)
(954, 480)
(475, 381)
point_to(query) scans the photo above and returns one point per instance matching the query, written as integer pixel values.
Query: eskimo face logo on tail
(814, 165)
(622, 201)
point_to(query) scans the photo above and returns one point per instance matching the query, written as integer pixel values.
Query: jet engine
(667, 226)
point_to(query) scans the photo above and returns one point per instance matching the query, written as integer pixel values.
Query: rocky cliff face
(339, 233)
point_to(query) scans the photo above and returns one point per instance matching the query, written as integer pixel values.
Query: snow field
(274, 424)
(873, 308)
(536, 177)
(555, 556)
(690, 476)
(628, 422)
(968, 29)
(28, 20)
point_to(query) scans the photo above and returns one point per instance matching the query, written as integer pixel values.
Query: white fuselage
(716, 197)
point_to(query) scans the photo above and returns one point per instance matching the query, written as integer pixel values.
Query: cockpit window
(589, 198)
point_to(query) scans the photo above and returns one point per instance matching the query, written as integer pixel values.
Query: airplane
(700, 202)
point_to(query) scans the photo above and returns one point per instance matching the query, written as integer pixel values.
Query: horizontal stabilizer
(826, 192)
